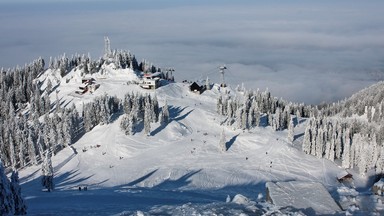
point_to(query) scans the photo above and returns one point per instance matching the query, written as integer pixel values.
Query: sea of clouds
(301, 51)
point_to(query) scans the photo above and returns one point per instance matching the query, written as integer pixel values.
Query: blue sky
(301, 50)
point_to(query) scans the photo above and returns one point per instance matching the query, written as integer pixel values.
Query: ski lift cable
(230, 73)
(208, 72)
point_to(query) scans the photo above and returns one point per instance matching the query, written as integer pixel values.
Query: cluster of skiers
(85, 188)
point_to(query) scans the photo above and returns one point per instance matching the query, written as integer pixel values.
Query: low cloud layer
(301, 51)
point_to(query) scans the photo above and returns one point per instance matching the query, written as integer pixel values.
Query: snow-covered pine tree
(224, 105)
(339, 138)
(298, 114)
(219, 105)
(47, 103)
(229, 108)
(87, 118)
(291, 132)
(127, 104)
(165, 114)
(147, 120)
(57, 105)
(48, 89)
(132, 124)
(346, 157)
(363, 155)
(124, 124)
(104, 115)
(331, 150)
(239, 114)
(244, 120)
(20, 208)
(22, 150)
(148, 105)
(53, 139)
(320, 143)
(375, 151)
(207, 84)
(277, 119)
(269, 119)
(285, 117)
(357, 141)
(47, 172)
(12, 154)
(67, 130)
(155, 107)
(127, 124)
(380, 161)
(40, 145)
(314, 132)
(257, 118)
(223, 141)
(31, 148)
(7, 204)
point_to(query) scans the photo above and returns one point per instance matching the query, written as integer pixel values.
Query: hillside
(178, 168)
(75, 110)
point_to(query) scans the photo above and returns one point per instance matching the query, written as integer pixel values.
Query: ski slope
(179, 169)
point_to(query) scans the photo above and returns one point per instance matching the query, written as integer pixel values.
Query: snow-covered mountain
(180, 167)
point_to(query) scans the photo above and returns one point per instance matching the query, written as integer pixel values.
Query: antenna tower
(222, 68)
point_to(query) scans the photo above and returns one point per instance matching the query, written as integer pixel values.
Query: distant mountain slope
(371, 96)
(358, 103)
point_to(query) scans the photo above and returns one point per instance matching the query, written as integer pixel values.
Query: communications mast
(222, 68)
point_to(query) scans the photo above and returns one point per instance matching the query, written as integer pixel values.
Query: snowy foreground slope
(179, 169)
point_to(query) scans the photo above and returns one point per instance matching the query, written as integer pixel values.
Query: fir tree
(156, 109)
(147, 121)
(257, 118)
(207, 84)
(7, 204)
(380, 161)
(20, 207)
(307, 141)
(291, 128)
(165, 114)
(277, 119)
(31, 148)
(47, 172)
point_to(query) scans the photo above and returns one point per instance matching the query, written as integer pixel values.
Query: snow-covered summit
(163, 167)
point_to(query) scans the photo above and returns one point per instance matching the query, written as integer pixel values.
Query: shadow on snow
(175, 115)
(128, 198)
(230, 142)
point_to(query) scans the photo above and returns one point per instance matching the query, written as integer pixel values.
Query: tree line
(247, 110)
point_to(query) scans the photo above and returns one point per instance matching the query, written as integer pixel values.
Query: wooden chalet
(89, 80)
(378, 187)
(344, 177)
(87, 84)
(196, 88)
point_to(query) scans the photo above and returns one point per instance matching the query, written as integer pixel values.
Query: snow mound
(177, 130)
(240, 199)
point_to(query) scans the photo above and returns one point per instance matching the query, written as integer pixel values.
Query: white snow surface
(178, 170)
(310, 197)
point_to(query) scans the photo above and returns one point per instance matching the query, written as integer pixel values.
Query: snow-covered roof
(152, 74)
(307, 196)
(380, 184)
(83, 85)
(342, 174)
